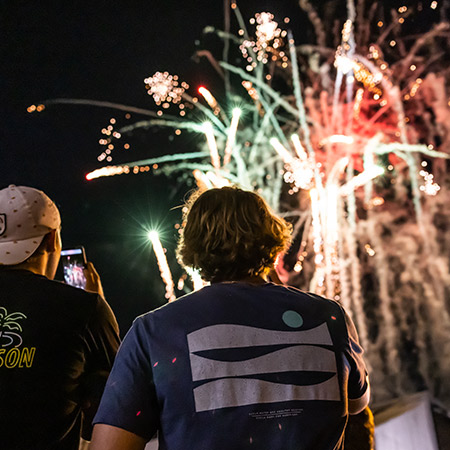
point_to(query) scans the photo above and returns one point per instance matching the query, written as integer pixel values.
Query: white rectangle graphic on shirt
(297, 358)
(301, 353)
(233, 336)
(232, 392)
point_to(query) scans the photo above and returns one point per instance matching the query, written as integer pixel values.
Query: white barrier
(406, 424)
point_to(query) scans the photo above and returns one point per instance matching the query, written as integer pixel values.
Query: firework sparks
(196, 278)
(108, 171)
(319, 277)
(212, 102)
(299, 149)
(357, 105)
(231, 135)
(166, 274)
(343, 62)
(268, 41)
(248, 85)
(361, 179)
(338, 139)
(298, 171)
(203, 182)
(165, 88)
(285, 155)
(429, 187)
(373, 114)
(300, 174)
(212, 144)
(267, 29)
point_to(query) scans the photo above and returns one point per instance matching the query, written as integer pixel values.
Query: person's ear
(51, 241)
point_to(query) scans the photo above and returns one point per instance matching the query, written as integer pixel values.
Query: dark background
(103, 51)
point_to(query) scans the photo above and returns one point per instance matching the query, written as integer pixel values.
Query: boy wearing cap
(57, 342)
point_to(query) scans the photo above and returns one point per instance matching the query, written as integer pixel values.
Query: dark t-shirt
(238, 366)
(57, 345)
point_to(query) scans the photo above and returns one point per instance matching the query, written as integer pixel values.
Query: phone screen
(73, 262)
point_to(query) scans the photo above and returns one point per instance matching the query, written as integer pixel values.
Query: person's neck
(37, 265)
(251, 279)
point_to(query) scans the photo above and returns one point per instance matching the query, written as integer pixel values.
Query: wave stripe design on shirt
(308, 358)
(231, 392)
(233, 336)
(222, 392)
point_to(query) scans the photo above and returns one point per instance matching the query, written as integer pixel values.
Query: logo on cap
(2, 223)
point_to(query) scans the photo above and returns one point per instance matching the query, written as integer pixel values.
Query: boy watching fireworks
(242, 363)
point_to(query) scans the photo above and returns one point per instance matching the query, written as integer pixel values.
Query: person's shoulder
(326, 301)
(306, 295)
(175, 308)
(40, 284)
(80, 303)
(317, 304)
(69, 292)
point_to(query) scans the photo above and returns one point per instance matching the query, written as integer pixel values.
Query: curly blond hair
(230, 234)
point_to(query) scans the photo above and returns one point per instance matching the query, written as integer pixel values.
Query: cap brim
(16, 252)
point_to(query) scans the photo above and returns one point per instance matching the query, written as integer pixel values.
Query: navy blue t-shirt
(238, 366)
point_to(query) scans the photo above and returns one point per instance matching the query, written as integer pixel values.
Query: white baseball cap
(26, 216)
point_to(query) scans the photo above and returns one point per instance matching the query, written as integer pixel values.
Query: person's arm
(107, 437)
(84, 445)
(358, 379)
(102, 342)
(356, 405)
(129, 402)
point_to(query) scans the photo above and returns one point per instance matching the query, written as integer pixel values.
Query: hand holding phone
(93, 283)
(74, 263)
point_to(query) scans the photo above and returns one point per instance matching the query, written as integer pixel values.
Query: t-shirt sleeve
(358, 381)
(129, 400)
(102, 342)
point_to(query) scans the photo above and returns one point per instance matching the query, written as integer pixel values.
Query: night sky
(103, 51)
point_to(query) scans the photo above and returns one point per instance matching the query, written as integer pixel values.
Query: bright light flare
(163, 265)
(153, 236)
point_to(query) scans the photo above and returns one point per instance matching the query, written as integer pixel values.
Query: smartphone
(73, 262)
